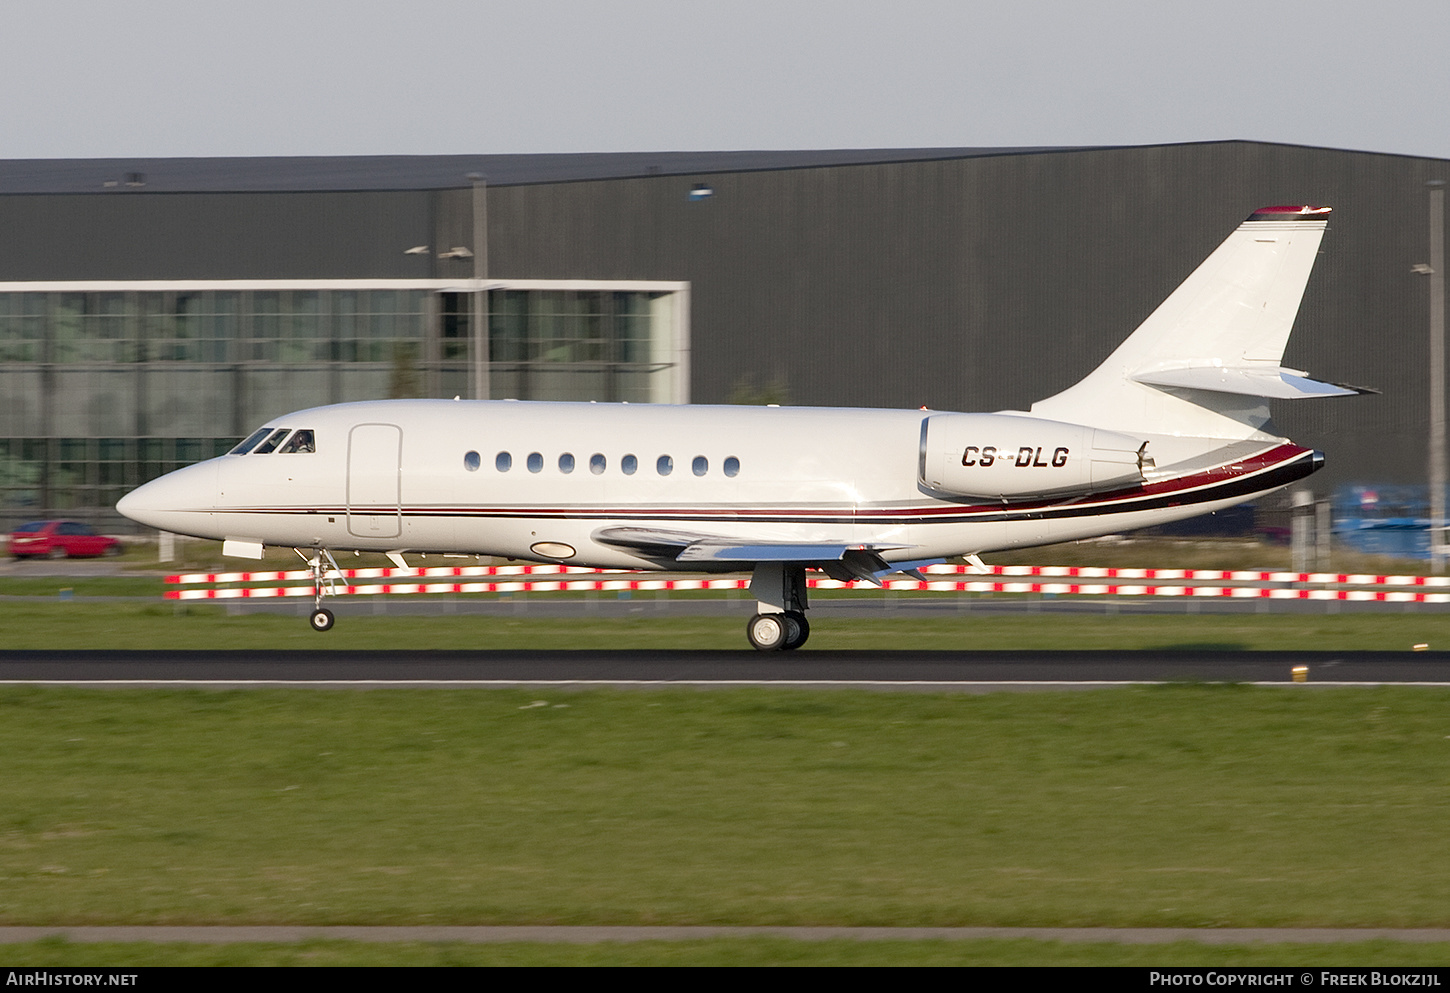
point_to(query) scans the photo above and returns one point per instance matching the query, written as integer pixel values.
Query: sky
(160, 78)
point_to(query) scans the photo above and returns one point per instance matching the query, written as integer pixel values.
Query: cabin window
(302, 442)
(503, 461)
(700, 466)
(628, 465)
(266, 447)
(471, 461)
(597, 463)
(732, 466)
(664, 465)
(535, 462)
(566, 463)
(251, 442)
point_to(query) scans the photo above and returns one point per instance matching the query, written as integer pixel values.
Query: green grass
(746, 807)
(82, 586)
(85, 625)
(751, 951)
(1172, 806)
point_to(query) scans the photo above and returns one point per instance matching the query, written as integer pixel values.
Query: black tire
(800, 630)
(322, 619)
(767, 632)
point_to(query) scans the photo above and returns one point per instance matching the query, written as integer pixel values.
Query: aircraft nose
(145, 502)
(130, 505)
(140, 503)
(168, 502)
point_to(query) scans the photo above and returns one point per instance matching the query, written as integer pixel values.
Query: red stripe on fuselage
(1115, 501)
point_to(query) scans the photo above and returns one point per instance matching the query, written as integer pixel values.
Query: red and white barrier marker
(519, 579)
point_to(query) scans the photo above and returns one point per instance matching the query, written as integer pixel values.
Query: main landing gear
(780, 593)
(324, 583)
(778, 632)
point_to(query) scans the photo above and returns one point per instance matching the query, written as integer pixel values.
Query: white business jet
(1172, 425)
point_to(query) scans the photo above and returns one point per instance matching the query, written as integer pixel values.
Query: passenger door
(374, 481)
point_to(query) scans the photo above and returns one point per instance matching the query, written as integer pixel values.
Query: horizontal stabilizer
(1274, 382)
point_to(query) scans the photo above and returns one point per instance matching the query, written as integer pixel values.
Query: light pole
(1437, 373)
(480, 275)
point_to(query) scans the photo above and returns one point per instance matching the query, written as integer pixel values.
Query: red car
(59, 540)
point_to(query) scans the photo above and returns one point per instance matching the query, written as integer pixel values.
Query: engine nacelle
(1003, 457)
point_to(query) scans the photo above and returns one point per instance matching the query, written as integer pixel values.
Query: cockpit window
(251, 442)
(301, 441)
(272, 442)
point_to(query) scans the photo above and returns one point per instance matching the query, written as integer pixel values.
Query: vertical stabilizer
(1203, 363)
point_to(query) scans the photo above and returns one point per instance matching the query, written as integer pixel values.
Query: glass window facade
(103, 388)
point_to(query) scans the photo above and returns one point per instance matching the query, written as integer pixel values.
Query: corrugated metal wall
(137, 235)
(973, 284)
(987, 283)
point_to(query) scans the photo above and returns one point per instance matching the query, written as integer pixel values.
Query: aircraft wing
(838, 560)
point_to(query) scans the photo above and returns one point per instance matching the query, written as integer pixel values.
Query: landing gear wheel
(322, 619)
(767, 632)
(800, 630)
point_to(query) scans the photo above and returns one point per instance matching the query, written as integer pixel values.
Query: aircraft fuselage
(541, 481)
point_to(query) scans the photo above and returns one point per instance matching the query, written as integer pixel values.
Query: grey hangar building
(154, 311)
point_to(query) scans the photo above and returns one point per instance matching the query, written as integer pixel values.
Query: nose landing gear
(324, 583)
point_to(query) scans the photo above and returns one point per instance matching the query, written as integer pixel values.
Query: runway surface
(905, 670)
